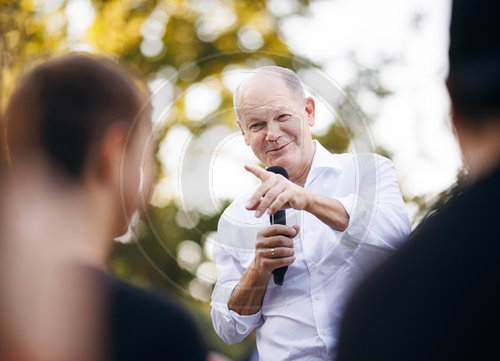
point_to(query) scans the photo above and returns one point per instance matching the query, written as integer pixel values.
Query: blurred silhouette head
(474, 56)
(77, 130)
(474, 81)
(86, 118)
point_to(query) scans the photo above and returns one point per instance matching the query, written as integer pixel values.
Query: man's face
(275, 123)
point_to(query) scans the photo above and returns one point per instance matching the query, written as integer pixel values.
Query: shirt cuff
(245, 323)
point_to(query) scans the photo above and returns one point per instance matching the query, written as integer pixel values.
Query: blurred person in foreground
(438, 297)
(344, 212)
(81, 163)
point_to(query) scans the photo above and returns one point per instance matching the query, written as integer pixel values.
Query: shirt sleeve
(230, 326)
(377, 212)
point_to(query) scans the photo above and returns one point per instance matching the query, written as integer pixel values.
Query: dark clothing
(438, 297)
(146, 327)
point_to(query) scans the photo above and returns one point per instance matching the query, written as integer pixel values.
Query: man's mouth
(277, 149)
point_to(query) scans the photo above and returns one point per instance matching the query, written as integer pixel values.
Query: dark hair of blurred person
(80, 164)
(437, 298)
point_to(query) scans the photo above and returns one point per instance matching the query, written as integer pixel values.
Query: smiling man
(344, 212)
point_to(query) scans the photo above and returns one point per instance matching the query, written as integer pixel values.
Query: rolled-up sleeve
(230, 326)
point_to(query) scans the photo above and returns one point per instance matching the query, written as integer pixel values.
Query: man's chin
(278, 163)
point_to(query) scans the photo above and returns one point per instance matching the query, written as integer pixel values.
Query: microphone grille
(278, 170)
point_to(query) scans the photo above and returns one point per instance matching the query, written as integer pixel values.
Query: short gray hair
(291, 80)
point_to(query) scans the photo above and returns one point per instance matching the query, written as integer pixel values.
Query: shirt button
(352, 245)
(241, 328)
(323, 332)
(316, 297)
(313, 265)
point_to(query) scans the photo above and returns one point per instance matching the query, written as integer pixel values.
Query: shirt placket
(316, 281)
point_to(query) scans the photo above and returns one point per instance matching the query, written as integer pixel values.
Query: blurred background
(388, 56)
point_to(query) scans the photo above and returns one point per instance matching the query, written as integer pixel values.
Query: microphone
(279, 218)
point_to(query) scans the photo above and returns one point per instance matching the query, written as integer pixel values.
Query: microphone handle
(279, 273)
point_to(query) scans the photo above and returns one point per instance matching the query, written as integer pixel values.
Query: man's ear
(310, 109)
(243, 133)
(111, 152)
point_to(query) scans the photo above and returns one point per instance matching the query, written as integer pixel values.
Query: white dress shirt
(299, 320)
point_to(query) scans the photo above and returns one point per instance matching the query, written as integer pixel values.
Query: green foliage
(336, 140)
(24, 33)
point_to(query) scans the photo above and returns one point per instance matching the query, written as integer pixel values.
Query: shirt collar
(322, 159)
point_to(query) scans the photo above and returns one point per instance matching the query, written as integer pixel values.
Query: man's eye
(255, 126)
(284, 116)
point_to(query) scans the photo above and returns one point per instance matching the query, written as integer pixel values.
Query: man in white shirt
(344, 213)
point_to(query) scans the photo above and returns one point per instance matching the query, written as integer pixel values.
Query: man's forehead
(256, 109)
(264, 92)
(264, 82)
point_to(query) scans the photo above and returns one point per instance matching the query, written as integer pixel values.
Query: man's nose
(273, 131)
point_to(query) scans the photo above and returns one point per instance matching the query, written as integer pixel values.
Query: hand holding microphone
(274, 194)
(274, 251)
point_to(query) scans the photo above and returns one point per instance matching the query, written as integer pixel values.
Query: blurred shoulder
(145, 323)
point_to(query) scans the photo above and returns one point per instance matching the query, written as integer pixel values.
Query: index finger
(257, 171)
